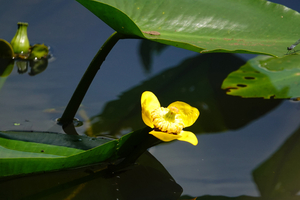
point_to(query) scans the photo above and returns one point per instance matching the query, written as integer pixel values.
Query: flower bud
(20, 42)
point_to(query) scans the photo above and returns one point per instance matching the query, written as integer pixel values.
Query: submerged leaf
(204, 26)
(266, 77)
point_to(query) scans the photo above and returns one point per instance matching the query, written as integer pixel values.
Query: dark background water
(229, 148)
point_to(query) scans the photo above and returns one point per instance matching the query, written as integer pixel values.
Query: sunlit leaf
(248, 26)
(266, 77)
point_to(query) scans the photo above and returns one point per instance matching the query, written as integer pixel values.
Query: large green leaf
(248, 26)
(48, 152)
(266, 77)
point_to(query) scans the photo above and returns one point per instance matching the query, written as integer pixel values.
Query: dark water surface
(246, 146)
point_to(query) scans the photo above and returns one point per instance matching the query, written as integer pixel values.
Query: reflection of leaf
(147, 50)
(210, 26)
(29, 152)
(196, 81)
(266, 77)
(38, 66)
(146, 180)
(277, 178)
(279, 175)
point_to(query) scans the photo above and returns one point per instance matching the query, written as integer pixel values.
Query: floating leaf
(266, 77)
(31, 152)
(38, 51)
(204, 26)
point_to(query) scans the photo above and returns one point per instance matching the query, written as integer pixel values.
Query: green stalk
(87, 79)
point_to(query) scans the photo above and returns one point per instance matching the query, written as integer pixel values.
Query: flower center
(167, 120)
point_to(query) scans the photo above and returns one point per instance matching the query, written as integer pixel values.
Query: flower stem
(87, 79)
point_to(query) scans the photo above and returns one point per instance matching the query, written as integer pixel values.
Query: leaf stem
(87, 79)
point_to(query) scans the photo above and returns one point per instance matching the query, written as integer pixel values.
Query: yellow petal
(187, 113)
(149, 102)
(188, 136)
(166, 137)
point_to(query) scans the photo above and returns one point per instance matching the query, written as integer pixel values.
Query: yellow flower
(167, 123)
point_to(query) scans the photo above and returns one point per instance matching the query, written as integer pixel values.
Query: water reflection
(146, 180)
(36, 66)
(219, 159)
(278, 176)
(196, 80)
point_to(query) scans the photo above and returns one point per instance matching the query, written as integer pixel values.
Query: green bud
(20, 42)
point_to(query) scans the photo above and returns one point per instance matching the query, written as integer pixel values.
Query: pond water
(246, 146)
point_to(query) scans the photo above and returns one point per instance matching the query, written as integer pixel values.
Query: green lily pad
(266, 77)
(32, 152)
(204, 26)
(38, 51)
